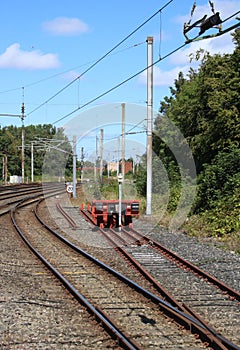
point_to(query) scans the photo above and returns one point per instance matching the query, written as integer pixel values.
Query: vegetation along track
(137, 312)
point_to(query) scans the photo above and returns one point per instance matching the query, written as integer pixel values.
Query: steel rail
(189, 322)
(23, 201)
(22, 192)
(186, 264)
(87, 216)
(66, 216)
(221, 341)
(101, 317)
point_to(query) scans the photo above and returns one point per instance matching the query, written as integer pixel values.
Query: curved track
(194, 289)
(136, 311)
(116, 301)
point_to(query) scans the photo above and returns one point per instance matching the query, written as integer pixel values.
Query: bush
(218, 180)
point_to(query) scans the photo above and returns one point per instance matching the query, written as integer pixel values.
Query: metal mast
(23, 133)
(123, 140)
(149, 122)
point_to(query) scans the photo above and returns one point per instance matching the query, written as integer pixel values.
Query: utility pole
(120, 179)
(96, 160)
(22, 116)
(32, 163)
(123, 140)
(149, 122)
(4, 169)
(23, 133)
(82, 162)
(118, 156)
(108, 166)
(101, 154)
(74, 166)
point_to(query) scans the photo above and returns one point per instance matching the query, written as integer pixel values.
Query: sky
(46, 45)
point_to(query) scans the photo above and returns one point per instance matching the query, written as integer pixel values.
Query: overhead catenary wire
(67, 70)
(198, 37)
(129, 132)
(102, 57)
(118, 85)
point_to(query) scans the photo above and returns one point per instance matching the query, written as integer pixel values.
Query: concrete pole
(108, 166)
(32, 163)
(82, 162)
(149, 122)
(23, 136)
(5, 169)
(96, 159)
(123, 140)
(120, 179)
(74, 166)
(101, 154)
(118, 156)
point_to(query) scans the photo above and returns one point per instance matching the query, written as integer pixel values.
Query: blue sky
(46, 44)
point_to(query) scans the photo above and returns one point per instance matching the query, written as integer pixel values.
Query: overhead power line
(198, 37)
(102, 57)
(66, 71)
(118, 85)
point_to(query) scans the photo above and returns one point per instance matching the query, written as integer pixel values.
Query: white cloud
(14, 57)
(163, 77)
(219, 45)
(65, 26)
(70, 75)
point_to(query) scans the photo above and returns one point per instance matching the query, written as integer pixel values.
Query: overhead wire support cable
(235, 14)
(197, 38)
(122, 83)
(66, 71)
(102, 57)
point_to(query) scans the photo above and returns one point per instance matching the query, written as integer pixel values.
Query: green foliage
(219, 180)
(175, 192)
(11, 142)
(141, 180)
(224, 218)
(109, 189)
(205, 106)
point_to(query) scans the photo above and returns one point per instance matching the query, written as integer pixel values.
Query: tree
(11, 142)
(206, 105)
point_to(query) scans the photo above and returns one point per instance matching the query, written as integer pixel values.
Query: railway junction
(69, 284)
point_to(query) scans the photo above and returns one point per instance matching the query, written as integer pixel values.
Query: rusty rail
(186, 264)
(213, 338)
(66, 216)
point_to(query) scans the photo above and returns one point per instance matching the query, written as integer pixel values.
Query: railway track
(11, 195)
(36, 311)
(149, 323)
(75, 213)
(138, 312)
(195, 289)
(189, 285)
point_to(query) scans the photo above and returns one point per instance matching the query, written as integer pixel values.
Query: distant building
(112, 166)
(128, 167)
(15, 179)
